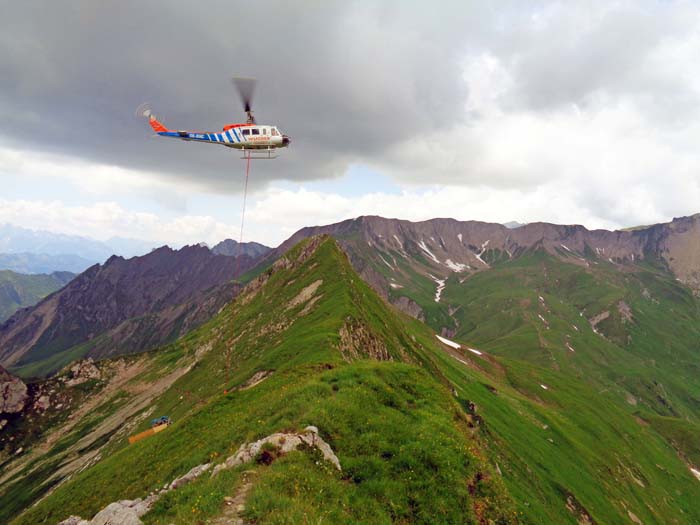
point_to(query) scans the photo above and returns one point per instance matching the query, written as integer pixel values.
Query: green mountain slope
(337, 358)
(19, 290)
(617, 348)
(522, 430)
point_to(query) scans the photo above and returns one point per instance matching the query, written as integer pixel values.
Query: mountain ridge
(392, 255)
(122, 305)
(443, 246)
(504, 424)
(233, 248)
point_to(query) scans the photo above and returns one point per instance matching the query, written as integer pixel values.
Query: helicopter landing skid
(258, 154)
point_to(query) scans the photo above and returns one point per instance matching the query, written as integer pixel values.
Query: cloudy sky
(571, 112)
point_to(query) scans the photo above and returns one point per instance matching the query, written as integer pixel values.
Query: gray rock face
(283, 443)
(13, 393)
(119, 512)
(74, 520)
(82, 371)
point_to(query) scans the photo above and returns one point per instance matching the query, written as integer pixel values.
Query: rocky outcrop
(357, 341)
(125, 512)
(80, 372)
(279, 444)
(129, 512)
(13, 393)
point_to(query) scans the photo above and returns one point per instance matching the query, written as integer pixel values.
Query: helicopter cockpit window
(255, 131)
(245, 132)
(274, 132)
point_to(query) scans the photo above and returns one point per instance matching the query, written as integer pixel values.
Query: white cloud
(285, 211)
(571, 112)
(93, 180)
(103, 220)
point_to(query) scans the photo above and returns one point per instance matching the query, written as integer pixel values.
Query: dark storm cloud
(349, 81)
(345, 79)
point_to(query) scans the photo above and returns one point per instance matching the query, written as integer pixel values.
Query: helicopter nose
(286, 140)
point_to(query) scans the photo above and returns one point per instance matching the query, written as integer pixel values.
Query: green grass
(20, 291)
(405, 445)
(423, 437)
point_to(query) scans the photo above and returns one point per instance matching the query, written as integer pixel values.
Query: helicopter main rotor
(246, 88)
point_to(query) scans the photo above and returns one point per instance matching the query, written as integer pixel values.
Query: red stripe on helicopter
(157, 126)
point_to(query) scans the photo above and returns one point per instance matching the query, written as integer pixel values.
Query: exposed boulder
(124, 512)
(81, 372)
(282, 443)
(42, 403)
(13, 393)
(120, 512)
(74, 520)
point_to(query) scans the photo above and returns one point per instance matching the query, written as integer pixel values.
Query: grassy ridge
(405, 445)
(424, 437)
(621, 404)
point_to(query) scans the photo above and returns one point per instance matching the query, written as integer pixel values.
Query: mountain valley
(540, 374)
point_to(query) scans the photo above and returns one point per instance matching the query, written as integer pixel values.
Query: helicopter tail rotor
(145, 111)
(246, 88)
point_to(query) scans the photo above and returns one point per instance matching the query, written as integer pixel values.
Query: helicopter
(255, 140)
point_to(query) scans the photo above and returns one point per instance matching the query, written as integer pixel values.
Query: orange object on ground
(146, 433)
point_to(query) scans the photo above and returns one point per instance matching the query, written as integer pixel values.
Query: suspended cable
(239, 249)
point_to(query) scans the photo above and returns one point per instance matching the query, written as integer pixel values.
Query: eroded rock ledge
(13, 393)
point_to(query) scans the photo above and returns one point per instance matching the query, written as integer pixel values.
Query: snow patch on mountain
(385, 261)
(483, 250)
(448, 342)
(456, 267)
(440, 287)
(426, 250)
